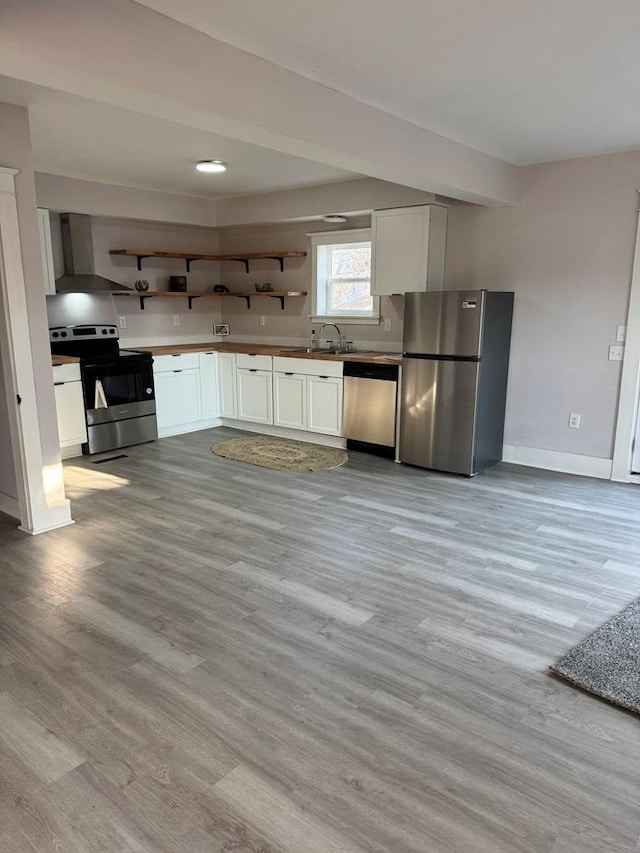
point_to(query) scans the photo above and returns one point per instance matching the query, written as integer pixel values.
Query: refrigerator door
(438, 421)
(444, 323)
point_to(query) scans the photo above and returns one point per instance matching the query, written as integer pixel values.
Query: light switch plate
(122, 322)
(387, 324)
(615, 353)
(621, 334)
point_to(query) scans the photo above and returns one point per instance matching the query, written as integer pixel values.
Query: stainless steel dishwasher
(370, 399)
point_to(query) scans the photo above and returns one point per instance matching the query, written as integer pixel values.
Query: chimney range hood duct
(77, 248)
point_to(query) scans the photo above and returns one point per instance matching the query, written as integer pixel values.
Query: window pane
(350, 296)
(351, 261)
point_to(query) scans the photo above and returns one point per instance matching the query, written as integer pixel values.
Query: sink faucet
(335, 327)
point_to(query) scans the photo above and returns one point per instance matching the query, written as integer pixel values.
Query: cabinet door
(227, 385)
(209, 385)
(44, 231)
(255, 395)
(408, 249)
(324, 404)
(177, 397)
(72, 426)
(290, 400)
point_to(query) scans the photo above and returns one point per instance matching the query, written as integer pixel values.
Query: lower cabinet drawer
(180, 361)
(257, 362)
(308, 366)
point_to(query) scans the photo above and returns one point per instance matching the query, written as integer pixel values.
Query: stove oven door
(118, 390)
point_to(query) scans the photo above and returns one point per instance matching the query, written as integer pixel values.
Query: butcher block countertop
(57, 360)
(266, 349)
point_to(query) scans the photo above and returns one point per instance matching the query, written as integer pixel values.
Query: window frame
(321, 239)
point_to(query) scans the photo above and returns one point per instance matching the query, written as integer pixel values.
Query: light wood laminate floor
(220, 658)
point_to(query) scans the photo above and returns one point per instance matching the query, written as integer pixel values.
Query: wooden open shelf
(196, 294)
(190, 257)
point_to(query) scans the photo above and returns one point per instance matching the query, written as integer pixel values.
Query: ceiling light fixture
(211, 166)
(334, 219)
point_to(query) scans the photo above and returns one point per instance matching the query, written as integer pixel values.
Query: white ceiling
(525, 80)
(81, 138)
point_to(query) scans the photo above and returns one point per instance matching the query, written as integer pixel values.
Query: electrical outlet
(621, 334)
(122, 322)
(263, 320)
(615, 353)
(387, 324)
(176, 319)
(574, 420)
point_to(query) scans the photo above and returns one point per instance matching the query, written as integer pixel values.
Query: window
(341, 271)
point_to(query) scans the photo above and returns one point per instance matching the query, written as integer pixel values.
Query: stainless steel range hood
(77, 248)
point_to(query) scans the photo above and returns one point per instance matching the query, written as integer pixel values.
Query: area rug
(607, 663)
(281, 454)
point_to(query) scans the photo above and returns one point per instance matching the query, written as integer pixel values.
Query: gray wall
(566, 249)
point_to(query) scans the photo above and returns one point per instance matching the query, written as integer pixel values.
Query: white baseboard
(284, 432)
(57, 516)
(554, 460)
(9, 505)
(71, 451)
(180, 429)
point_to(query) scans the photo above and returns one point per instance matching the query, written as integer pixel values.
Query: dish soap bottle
(314, 341)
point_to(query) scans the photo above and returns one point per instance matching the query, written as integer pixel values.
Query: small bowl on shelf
(263, 288)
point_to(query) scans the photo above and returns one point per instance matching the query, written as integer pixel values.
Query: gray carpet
(607, 663)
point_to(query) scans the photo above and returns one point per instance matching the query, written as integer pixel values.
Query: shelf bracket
(248, 298)
(281, 298)
(140, 259)
(142, 299)
(280, 260)
(190, 300)
(244, 261)
(189, 261)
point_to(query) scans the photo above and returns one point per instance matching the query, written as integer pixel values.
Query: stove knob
(55, 334)
(104, 331)
(149, 390)
(112, 331)
(63, 334)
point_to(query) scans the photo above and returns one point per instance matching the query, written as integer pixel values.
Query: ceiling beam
(125, 54)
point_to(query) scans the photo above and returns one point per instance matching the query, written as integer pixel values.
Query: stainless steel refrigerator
(454, 379)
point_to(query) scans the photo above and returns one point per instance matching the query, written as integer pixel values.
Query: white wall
(8, 484)
(15, 152)
(155, 322)
(291, 324)
(566, 249)
(56, 192)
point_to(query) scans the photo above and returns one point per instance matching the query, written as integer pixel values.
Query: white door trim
(41, 501)
(628, 400)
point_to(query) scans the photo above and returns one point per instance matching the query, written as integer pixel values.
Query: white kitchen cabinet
(72, 426)
(46, 251)
(227, 390)
(177, 397)
(408, 246)
(209, 395)
(324, 404)
(255, 395)
(290, 400)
